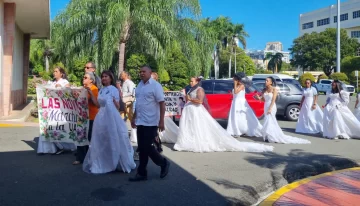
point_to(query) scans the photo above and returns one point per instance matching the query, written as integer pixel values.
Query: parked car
(324, 85)
(288, 99)
(278, 78)
(219, 96)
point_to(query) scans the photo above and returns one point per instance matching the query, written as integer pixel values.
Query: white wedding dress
(271, 130)
(310, 121)
(167, 136)
(199, 132)
(242, 119)
(110, 148)
(357, 109)
(339, 121)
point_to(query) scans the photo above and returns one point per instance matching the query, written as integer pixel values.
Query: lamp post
(338, 38)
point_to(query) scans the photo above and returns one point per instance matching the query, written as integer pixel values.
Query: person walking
(90, 67)
(148, 119)
(127, 90)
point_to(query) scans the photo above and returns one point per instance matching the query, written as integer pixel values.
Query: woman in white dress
(110, 148)
(357, 107)
(271, 131)
(339, 122)
(199, 132)
(171, 129)
(310, 117)
(242, 120)
(60, 81)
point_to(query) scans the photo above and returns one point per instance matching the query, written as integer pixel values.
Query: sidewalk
(333, 188)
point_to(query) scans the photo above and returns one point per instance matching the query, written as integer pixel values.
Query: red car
(219, 95)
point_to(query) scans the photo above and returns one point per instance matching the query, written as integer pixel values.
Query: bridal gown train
(242, 119)
(310, 121)
(167, 136)
(199, 132)
(339, 121)
(271, 130)
(110, 148)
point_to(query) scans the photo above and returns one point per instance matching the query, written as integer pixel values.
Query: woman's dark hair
(338, 88)
(312, 84)
(111, 75)
(241, 77)
(273, 81)
(62, 72)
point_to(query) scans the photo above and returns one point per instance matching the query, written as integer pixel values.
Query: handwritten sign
(62, 117)
(174, 103)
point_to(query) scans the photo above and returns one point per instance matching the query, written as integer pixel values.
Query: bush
(45, 75)
(37, 69)
(32, 84)
(339, 76)
(73, 80)
(304, 77)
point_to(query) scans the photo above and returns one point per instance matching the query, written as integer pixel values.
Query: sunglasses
(88, 67)
(85, 77)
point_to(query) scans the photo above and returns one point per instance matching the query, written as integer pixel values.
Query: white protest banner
(62, 116)
(174, 102)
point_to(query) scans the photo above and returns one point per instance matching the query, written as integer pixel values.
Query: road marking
(10, 125)
(287, 188)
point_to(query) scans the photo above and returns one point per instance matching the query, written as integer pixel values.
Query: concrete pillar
(26, 62)
(9, 35)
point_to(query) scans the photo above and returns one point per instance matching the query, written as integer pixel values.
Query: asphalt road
(223, 178)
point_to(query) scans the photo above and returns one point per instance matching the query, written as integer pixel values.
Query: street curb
(271, 198)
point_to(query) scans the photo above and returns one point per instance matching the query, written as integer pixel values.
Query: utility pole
(338, 38)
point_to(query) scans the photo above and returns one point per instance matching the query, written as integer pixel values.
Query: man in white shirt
(148, 119)
(127, 89)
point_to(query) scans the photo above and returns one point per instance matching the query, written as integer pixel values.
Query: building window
(358, 52)
(356, 14)
(308, 25)
(355, 34)
(322, 22)
(343, 17)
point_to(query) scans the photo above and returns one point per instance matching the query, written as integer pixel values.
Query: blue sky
(264, 20)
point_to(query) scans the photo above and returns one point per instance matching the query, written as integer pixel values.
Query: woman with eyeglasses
(310, 117)
(271, 131)
(89, 84)
(110, 147)
(339, 122)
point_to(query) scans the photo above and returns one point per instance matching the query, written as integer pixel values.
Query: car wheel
(292, 112)
(351, 94)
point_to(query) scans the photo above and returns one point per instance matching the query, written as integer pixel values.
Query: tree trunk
(121, 57)
(123, 40)
(47, 64)
(275, 68)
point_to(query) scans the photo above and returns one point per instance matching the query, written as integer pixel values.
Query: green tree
(243, 63)
(106, 26)
(274, 61)
(317, 51)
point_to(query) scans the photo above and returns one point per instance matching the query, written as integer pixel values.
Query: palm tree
(226, 31)
(274, 61)
(122, 25)
(41, 51)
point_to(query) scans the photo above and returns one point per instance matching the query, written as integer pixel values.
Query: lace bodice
(335, 99)
(193, 94)
(107, 94)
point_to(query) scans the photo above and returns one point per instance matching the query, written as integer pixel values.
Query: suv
(278, 78)
(219, 96)
(324, 85)
(288, 99)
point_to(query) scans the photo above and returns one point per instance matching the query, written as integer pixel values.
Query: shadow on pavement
(299, 164)
(29, 179)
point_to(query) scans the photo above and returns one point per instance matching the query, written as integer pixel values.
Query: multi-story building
(20, 21)
(321, 19)
(271, 47)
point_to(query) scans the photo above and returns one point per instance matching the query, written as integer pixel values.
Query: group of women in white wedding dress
(336, 122)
